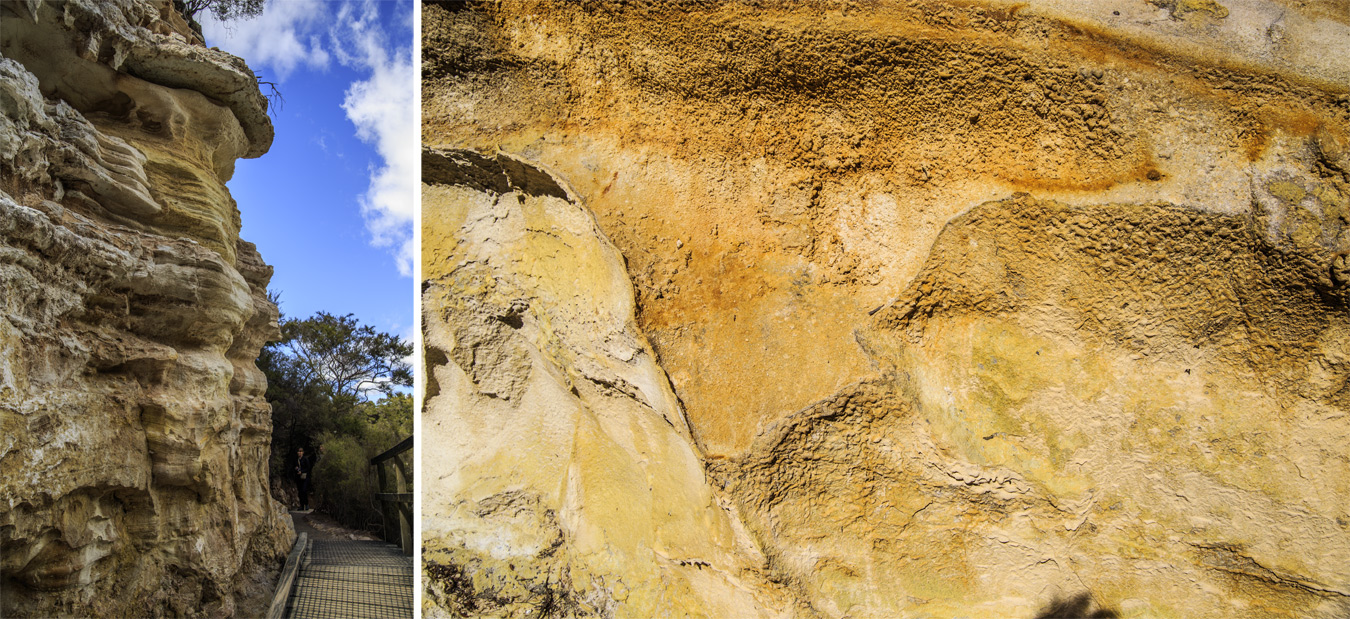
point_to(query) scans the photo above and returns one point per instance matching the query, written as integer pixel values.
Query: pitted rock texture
(1156, 422)
(135, 433)
(530, 341)
(973, 308)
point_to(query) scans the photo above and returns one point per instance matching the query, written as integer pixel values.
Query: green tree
(349, 482)
(350, 360)
(224, 10)
(325, 379)
(394, 412)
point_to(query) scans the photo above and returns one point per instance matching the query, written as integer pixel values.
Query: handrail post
(395, 506)
(404, 511)
(381, 488)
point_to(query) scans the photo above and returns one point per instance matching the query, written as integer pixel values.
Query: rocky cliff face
(570, 483)
(135, 433)
(969, 308)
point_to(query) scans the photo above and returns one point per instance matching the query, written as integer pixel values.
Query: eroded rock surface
(531, 341)
(135, 433)
(972, 308)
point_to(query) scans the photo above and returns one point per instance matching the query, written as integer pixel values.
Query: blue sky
(331, 206)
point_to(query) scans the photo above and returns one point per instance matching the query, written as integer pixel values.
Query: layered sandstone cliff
(976, 309)
(135, 434)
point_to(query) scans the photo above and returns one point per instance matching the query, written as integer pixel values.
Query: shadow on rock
(1077, 607)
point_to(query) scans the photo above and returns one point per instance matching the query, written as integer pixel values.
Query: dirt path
(321, 527)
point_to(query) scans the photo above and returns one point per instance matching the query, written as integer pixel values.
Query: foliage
(320, 379)
(301, 408)
(349, 359)
(345, 479)
(395, 410)
(224, 10)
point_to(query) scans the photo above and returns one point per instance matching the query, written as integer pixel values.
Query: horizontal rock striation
(135, 431)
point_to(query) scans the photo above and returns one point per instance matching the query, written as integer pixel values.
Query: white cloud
(292, 34)
(383, 108)
(283, 39)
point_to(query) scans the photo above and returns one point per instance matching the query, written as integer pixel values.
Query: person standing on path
(304, 471)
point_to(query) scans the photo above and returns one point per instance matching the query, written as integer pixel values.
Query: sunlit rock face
(135, 434)
(971, 309)
(565, 469)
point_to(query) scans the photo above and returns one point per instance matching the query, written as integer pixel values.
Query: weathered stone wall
(566, 480)
(976, 309)
(135, 434)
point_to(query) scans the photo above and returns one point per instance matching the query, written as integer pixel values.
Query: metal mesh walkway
(353, 580)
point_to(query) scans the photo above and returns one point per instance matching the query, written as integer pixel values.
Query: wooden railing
(394, 493)
(286, 582)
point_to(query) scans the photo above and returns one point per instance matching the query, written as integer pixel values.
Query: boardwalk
(349, 579)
